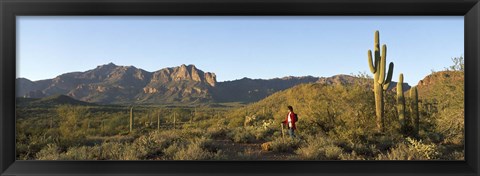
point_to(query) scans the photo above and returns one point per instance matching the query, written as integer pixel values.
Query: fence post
(174, 120)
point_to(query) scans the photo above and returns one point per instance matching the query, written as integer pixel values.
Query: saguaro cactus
(380, 82)
(401, 102)
(414, 110)
(131, 119)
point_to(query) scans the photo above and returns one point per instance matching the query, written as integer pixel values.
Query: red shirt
(292, 118)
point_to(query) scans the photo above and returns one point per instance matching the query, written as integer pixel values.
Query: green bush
(216, 132)
(351, 156)
(242, 135)
(319, 148)
(248, 154)
(411, 150)
(80, 153)
(285, 145)
(198, 149)
(49, 152)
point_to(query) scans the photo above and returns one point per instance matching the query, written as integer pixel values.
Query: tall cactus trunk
(131, 119)
(379, 107)
(414, 110)
(382, 78)
(401, 102)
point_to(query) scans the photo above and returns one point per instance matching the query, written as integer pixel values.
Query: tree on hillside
(458, 64)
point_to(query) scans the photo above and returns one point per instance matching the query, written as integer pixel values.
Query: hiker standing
(290, 122)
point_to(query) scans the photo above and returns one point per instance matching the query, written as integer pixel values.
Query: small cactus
(381, 83)
(401, 102)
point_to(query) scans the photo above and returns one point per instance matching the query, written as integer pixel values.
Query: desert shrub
(285, 145)
(411, 150)
(216, 132)
(154, 142)
(192, 152)
(145, 145)
(80, 153)
(49, 152)
(114, 124)
(166, 138)
(456, 155)
(450, 123)
(264, 134)
(429, 151)
(69, 125)
(319, 148)
(235, 122)
(204, 143)
(114, 151)
(365, 150)
(171, 150)
(192, 132)
(351, 156)
(384, 143)
(29, 145)
(248, 154)
(333, 152)
(141, 148)
(242, 135)
(196, 150)
(205, 123)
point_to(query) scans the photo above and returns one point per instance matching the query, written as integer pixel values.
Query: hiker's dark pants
(291, 132)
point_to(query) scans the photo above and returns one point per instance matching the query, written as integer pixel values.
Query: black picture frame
(9, 9)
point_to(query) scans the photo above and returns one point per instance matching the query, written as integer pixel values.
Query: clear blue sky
(237, 47)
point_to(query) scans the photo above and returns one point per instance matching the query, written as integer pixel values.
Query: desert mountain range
(186, 84)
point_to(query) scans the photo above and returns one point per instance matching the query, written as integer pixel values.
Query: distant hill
(331, 102)
(325, 104)
(51, 101)
(251, 90)
(185, 84)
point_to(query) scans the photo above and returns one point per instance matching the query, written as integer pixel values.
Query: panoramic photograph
(240, 88)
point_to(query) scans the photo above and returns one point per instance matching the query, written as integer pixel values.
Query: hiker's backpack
(295, 117)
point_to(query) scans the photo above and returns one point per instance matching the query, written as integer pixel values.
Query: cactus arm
(370, 62)
(385, 86)
(400, 85)
(389, 76)
(383, 63)
(377, 50)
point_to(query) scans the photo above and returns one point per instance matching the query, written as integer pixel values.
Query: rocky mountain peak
(107, 66)
(184, 73)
